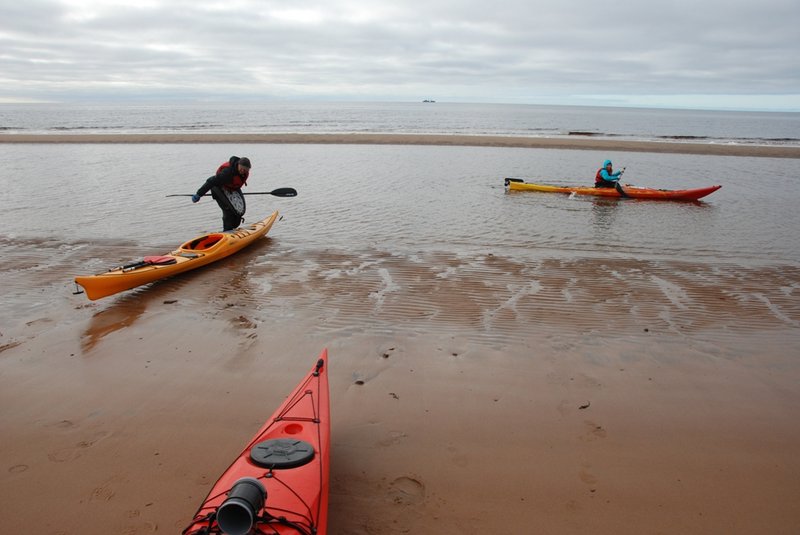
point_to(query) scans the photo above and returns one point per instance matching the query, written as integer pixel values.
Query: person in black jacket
(226, 188)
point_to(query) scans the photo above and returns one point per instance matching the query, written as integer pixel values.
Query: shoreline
(758, 151)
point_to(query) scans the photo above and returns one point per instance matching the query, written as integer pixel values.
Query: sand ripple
(491, 298)
(499, 298)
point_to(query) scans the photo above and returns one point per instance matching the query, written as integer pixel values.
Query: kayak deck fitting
(518, 184)
(193, 254)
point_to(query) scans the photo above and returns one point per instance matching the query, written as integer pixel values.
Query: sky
(709, 54)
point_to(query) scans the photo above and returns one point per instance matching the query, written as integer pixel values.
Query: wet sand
(470, 394)
(576, 142)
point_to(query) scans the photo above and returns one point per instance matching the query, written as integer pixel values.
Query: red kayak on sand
(632, 192)
(279, 483)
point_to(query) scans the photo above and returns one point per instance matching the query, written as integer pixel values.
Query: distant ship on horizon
(426, 100)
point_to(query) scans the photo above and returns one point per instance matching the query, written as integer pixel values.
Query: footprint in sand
(406, 491)
(107, 490)
(395, 437)
(65, 424)
(103, 493)
(387, 350)
(64, 455)
(587, 478)
(593, 432)
(144, 527)
(73, 452)
(458, 459)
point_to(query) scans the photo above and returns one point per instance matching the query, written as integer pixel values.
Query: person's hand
(195, 197)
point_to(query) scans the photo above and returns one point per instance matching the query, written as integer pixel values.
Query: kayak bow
(192, 254)
(517, 184)
(279, 482)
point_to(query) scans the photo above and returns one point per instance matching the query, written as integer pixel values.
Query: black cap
(245, 162)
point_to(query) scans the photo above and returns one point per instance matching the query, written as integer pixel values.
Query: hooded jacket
(603, 175)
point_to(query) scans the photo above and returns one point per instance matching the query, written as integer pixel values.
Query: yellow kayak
(516, 184)
(193, 254)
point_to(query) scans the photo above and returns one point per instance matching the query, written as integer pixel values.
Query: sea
(73, 208)
(760, 128)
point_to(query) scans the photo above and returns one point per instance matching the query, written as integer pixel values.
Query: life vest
(238, 181)
(598, 178)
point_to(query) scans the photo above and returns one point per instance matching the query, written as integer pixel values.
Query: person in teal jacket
(606, 177)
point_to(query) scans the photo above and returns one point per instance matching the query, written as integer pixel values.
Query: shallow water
(407, 198)
(416, 216)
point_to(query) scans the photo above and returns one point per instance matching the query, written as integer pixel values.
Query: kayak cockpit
(203, 243)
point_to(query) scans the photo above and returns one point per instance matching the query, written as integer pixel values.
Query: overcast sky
(740, 54)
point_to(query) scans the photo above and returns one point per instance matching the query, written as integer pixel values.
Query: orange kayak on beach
(192, 254)
(279, 482)
(517, 184)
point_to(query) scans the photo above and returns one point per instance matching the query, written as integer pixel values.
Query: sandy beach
(576, 143)
(470, 393)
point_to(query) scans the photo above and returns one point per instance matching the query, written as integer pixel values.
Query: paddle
(618, 186)
(280, 192)
(147, 261)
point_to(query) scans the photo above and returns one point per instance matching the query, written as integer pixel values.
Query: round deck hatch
(282, 453)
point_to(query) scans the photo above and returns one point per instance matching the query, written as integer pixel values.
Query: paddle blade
(284, 192)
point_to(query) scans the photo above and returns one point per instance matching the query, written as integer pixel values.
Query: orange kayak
(517, 184)
(192, 254)
(279, 482)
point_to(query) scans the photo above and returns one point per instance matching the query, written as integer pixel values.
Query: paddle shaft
(618, 186)
(280, 192)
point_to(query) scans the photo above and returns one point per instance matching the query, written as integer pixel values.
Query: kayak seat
(204, 242)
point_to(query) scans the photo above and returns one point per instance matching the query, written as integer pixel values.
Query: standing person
(606, 177)
(226, 189)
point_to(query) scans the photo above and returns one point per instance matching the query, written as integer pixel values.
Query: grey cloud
(445, 47)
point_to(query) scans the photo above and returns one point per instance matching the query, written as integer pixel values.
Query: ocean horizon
(523, 120)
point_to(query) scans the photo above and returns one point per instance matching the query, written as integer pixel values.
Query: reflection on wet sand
(123, 314)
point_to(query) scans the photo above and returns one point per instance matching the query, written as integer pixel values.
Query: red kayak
(279, 483)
